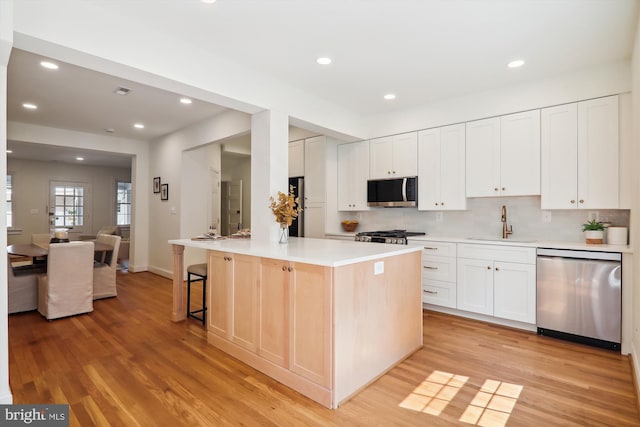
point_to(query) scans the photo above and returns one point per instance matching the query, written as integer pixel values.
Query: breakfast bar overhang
(324, 317)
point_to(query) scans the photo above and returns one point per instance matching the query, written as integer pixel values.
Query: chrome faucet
(506, 229)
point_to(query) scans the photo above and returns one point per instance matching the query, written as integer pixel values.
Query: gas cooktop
(398, 237)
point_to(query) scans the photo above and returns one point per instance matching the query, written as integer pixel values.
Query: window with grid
(9, 201)
(123, 203)
(68, 205)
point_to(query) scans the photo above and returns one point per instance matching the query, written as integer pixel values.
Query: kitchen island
(323, 317)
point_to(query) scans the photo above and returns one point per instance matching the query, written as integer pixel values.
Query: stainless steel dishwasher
(579, 296)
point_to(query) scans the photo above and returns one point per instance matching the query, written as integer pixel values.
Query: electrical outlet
(546, 216)
(439, 216)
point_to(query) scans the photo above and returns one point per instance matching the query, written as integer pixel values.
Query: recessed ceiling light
(390, 96)
(9, 151)
(138, 126)
(208, 1)
(30, 106)
(49, 65)
(110, 130)
(516, 63)
(323, 60)
(122, 91)
(79, 159)
(185, 101)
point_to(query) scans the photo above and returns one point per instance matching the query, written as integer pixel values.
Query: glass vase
(284, 233)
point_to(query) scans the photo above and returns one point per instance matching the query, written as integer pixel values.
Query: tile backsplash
(482, 219)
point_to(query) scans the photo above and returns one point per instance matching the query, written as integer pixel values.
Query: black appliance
(296, 229)
(396, 237)
(393, 193)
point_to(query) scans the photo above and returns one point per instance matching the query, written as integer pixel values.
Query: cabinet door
(244, 331)
(514, 290)
(353, 173)
(296, 158)
(274, 311)
(405, 154)
(475, 286)
(314, 215)
(314, 168)
(429, 195)
(452, 169)
(559, 160)
(483, 158)
(219, 284)
(598, 154)
(381, 158)
(520, 154)
(311, 322)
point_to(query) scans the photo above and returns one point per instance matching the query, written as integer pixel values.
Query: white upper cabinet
(353, 173)
(503, 155)
(296, 158)
(580, 155)
(315, 169)
(394, 156)
(441, 168)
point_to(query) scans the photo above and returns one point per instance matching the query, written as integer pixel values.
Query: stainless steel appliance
(394, 193)
(579, 296)
(396, 237)
(296, 229)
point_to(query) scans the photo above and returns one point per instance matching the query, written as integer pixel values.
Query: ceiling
(421, 50)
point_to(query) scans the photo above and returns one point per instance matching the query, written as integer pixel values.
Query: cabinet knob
(436, 203)
(289, 269)
(504, 188)
(388, 172)
(497, 269)
(495, 189)
(573, 202)
(284, 268)
(441, 203)
(394, 172)
(581, 201)
(488, 267)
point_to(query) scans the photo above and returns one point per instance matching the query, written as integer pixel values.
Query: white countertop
(526, 243)
(326, 252)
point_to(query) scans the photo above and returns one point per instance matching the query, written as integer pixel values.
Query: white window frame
(118, 204)
(87, 205)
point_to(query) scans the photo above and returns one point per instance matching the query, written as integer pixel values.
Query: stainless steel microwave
(395, 192)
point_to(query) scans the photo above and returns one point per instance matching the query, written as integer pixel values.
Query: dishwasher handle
(579, 254)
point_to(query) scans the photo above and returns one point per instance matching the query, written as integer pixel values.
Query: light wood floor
(127, 364)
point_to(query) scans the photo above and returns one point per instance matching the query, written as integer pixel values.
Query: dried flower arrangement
(286, 207)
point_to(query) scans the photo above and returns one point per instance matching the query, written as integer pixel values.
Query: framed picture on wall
(164, 192)
(156, 184)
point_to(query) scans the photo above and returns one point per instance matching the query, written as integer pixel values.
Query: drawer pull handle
(431, 292)
(430, 268)
(430, 249)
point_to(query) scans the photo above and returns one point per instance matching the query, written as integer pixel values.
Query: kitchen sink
(499, 239)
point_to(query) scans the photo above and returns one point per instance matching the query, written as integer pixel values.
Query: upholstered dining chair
(67, 287)
(22, 290)
(104, 273)
(41, 239)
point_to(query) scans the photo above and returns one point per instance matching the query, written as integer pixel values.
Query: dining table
(35, 251)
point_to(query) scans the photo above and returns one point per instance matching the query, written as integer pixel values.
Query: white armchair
(104, 274)
(22, 290)
(67, 287)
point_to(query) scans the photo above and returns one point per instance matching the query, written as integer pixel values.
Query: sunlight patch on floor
(434, 393)
(491, 406)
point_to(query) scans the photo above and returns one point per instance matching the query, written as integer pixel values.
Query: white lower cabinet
(498, 281)
(439, 273)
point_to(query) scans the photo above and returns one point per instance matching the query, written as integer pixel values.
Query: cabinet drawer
(439, 293)
(519, 254)
(438, 248)
(439, 268)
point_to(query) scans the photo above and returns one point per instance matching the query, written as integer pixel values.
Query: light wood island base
(326, 332)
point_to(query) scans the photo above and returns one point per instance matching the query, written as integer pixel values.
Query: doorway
(231, 201)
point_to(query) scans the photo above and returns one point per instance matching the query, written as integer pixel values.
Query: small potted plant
(593, 232)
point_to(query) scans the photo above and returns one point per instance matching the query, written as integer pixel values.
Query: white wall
(31, 194)
(635, 212)
(173, 219)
